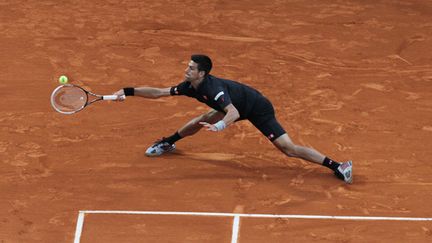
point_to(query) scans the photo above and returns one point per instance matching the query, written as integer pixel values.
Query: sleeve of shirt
(222, 97)
(180, 89)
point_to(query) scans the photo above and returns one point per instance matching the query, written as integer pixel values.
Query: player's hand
(209, 127)
(120, 94)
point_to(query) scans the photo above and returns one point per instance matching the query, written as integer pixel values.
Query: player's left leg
(263, 118)
(342, 170)
(277, 135)
(285, 144)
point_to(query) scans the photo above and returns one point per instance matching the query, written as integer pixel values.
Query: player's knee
(201, 118)
(212, 117)
(289, 149)
(205, 118)
(195, 121)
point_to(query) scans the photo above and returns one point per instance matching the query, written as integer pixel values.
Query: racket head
(69, 99)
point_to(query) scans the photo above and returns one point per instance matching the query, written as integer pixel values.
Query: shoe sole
(350, 180)
(156, 155)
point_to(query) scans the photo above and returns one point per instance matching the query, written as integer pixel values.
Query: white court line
(236, 222)
(79, 227)
(235, 229)
(294, 216)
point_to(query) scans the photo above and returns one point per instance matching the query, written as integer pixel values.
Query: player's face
(192, 73)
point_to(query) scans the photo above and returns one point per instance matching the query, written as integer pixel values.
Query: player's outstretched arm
(152, 93)
(146, 92)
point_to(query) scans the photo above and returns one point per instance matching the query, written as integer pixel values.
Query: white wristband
(220, 125)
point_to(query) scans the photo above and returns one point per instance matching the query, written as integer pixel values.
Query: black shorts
(263, 117)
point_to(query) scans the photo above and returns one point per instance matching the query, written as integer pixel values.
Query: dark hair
(204, 62)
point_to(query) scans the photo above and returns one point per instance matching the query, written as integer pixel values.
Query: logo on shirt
(219, 95)
(205, 97)
(270, 136)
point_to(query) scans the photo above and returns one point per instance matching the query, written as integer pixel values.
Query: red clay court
(352, 79)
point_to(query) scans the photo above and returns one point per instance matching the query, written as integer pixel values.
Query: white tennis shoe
(159, 148)
(344, 172)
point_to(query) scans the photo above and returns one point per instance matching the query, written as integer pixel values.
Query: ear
(201, 74)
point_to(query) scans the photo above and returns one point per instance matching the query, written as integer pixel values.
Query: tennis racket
(69, 98)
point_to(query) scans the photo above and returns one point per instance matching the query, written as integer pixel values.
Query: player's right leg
(167, 144)
(193, 125)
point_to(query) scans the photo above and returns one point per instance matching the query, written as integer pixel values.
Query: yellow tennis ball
(63, 79)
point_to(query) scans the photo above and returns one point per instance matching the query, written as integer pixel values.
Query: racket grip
(112, 97)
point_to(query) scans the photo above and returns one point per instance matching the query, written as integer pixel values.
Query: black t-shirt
(218, 93)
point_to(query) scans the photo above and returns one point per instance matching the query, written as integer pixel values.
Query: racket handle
(112, 97)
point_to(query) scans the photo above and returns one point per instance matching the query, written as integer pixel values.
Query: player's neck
(197, 82)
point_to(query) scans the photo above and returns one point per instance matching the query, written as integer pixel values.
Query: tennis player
(230, 102)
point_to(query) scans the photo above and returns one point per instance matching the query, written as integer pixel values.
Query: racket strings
(69, 99)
